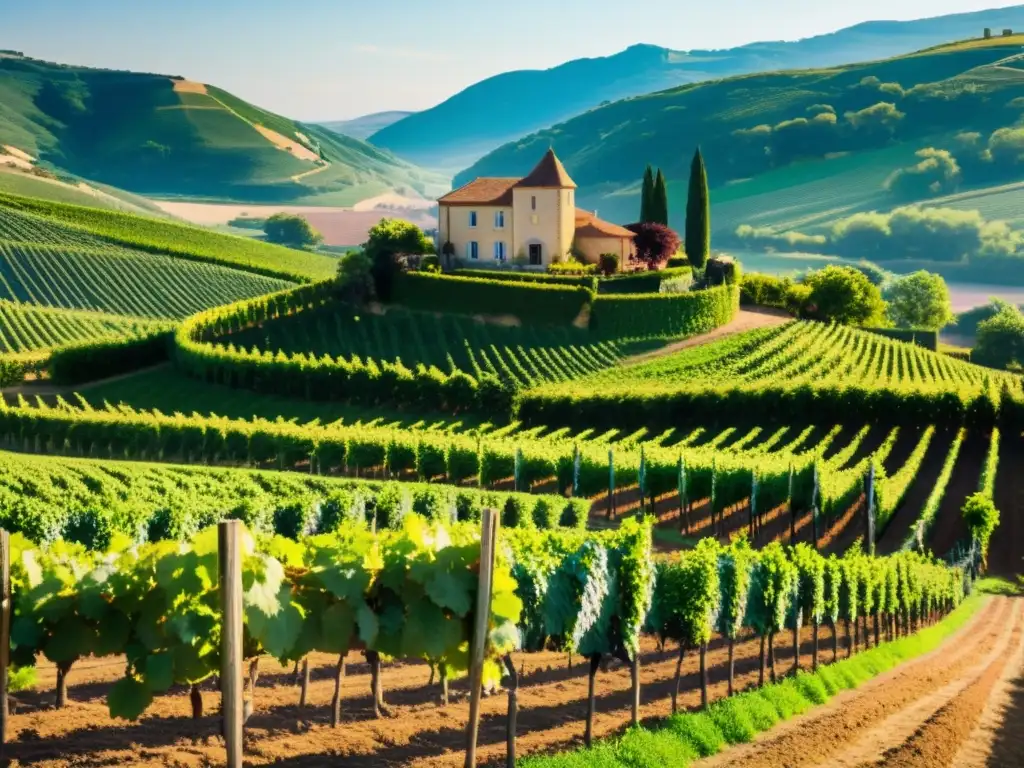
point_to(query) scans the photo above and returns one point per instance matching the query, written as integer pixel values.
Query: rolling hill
(801, 149)
(366, 125)
(504, 108)
(166, 136)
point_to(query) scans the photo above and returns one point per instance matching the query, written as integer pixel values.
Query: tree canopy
(291, 230)
(1000, 340)
(389, 246)
(844, 295)
(655, 243)
(920, 300)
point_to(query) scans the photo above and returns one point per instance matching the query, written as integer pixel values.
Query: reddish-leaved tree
(655, 243)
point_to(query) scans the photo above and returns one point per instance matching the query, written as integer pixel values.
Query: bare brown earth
(552, 703)
(920, 714)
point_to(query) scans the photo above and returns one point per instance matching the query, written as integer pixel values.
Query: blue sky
(334, 59)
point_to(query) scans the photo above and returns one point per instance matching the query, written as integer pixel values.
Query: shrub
(536, 303)
(937, 173)
(100, 358)
(641, 282)
(430, 263)
(340, 507)
(571, 267)
(355, 278)
(546, 514)
(679, 260)
(679, 314)
(516, 512)
(681, 284)
(982, 518)
(296, 518)
(608, 264)
(1000, 340)
(721, 270)
(843, 295)
(515, 276)
(390, 244)
(575, 514)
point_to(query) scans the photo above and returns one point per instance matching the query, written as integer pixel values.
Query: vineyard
(27, 328)
(424, 502)
(522, 356)
(81, 225)
(832, 371)
(51, 265)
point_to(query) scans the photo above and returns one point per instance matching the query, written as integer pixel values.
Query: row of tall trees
(654, 208)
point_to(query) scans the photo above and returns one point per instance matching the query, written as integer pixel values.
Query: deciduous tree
(920, 300)
(291, 230)
(654, 243)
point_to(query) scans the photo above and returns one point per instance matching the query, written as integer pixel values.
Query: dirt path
(922, 713)
(46, 388)
(906, 516)
(745, 320)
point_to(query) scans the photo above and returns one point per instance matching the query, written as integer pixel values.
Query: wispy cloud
(396, 52)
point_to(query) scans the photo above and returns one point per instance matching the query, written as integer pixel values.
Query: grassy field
(26, 328)
(96, 196)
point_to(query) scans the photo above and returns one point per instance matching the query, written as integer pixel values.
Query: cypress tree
(647, 196)
(698, 214)
(659, 200)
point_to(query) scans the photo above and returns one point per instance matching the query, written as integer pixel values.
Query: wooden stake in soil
(634, 674)
(703, 676)
(595, 664)
(5, 633)
(478, 646)
(513, 711)
(230, 554)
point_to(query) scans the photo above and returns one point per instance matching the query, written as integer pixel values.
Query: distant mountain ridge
(506, 107)
(162, 135)
(365, 125)
(799, 149)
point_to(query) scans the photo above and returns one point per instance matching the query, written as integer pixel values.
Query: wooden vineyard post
(869, 510)
(488, 540)
(5, 633)
(229, 550)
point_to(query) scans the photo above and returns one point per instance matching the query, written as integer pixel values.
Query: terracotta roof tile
(588, 225)
(482, 191)
(549, 173)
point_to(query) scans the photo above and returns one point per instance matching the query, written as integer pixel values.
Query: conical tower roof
(549, 173)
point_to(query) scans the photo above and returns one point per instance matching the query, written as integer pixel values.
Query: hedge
(535, 303)
(659, 409)
(15, 367)
(769, 291)
(582, 281)
(100, 358)
(369, 382)
(640, 282)
(664, 314)
(919, 336)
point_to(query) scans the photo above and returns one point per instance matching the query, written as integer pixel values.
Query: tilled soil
(927, 712)
(552, 701)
